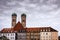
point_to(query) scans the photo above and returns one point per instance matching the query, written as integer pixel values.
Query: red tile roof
(19, 27)
(7, 30)
(41, 29)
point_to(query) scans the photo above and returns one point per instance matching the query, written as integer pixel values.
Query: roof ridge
(18, 26)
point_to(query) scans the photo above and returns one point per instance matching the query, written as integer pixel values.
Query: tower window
(14, 20)
(23, 20)
(22, 31)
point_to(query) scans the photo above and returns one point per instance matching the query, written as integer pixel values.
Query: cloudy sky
(40, 13)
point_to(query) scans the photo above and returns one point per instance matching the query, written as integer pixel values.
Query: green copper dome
(14, 14)
(23, 14)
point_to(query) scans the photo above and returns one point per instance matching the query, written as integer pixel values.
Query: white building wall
(10, 36)
(0, 34)
(21, 36)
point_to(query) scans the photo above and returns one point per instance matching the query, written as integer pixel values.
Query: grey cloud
(44, 12)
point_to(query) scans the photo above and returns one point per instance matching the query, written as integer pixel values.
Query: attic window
(49, 29)
(46, 30)
(22, 30)
(41, 30)
(11, 31)
(15, 31)
(14, 20)
(8, 31)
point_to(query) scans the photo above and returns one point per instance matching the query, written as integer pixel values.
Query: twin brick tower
(19, 31)
(23, 19)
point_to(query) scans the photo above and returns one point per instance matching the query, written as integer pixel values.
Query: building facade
(18, 31)
(59, 38)
(10, 36)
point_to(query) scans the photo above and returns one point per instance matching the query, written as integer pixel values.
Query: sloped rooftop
(19, 27)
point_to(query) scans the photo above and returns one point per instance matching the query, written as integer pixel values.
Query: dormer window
(49, 29)
(11, 31)
(15, 31)
(46, 30)
(22, 31)
(41, 30)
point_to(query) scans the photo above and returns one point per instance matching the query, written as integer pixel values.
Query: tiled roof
(7, 30)
(19, 27)
(41, 29)
(14, 14)
(23, 15)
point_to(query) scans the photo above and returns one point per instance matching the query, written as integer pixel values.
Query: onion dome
(23, 15)
(14, 14)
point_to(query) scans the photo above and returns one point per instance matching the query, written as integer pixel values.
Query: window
(12, 37)
(8, 34)
(14, 20)
(35, 39)
(38, 39)
(43, 36)
(49, 39)
(43, 29)
(46, 36)
(32, 33)
(12, 34)
(22, 31)
(56, 39)
(5, 34)
(46, 33)
(46, 39)
(11, 31)
(43, 33)
(49, 29)
(46, 30)
(32, 39)
(41, 39)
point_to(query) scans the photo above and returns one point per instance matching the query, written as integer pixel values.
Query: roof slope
(41, 29)
(5, 30)
(18, 27)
